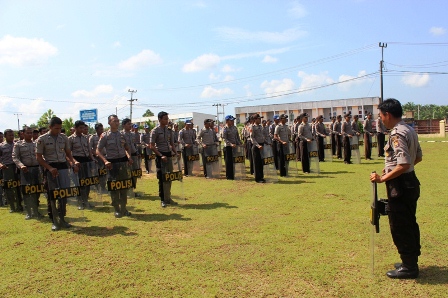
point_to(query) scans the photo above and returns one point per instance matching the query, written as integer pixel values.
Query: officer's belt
(115, 160)
(134, 154)
(59, 165)
(31, 166)
(82, 159)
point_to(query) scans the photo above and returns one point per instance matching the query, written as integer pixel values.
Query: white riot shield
(213, 162)
(172, 171)
(374, 154)
(136, 173)
(151, 157)
(98, 199)
(32, 185)
(269, 171)
(290, 160)
(88, 185)
(192, 157)
(327, 149)
(220, 155)
(11, 184)
(119, 181)
(63, 191)
(239, 165)
(313, 157)
(354, 144)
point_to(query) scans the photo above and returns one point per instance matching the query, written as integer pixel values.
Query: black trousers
(275, 153)
(228, 157)
(298, 151)
(62, 203)
(403, 223)
(367, 146)
(249, 155)
(339, 146)
(281, 159)
(320, 147)
(159, 173)
(347, 149)
(185, 160)
(381, 142)
(333, 144)
(305, 157)
(258, 164)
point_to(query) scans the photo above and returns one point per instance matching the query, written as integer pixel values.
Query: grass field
(308, 237)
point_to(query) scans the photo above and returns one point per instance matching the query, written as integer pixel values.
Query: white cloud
(313, 80)
(256, 54)
(100, 89)
(350, 80)
(437, 31)
(21, 51)
(297, 10)
(276, 87)
(210, 92)
(228, 68)
(228, 78)
(142, 59)
(416, 80)
(237, 34)
(248, 91)
(200, 4)
(269, 59)
(116, 44)
(206, 61)
(213, 77)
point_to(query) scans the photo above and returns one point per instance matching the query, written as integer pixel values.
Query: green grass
(308, 237)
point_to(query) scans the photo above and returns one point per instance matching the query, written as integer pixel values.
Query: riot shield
(313, 156)
(171, 171)
(98, 199)
(269, 171)
(327, 149)
(63, 191)
(31, 184)
(136, 173)
(192, 158)
(374, 140)
(213, 162)
(119, 181)
(11, 184)
(289, 151)
(88, 185)
(354, 145)
(239, 165)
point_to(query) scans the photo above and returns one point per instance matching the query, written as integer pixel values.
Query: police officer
(368, 133)
(295, 136)
(257, 137)
(321, 133)
(52, 153)
(282, 135)
(402, 153)
(305, 136)
(2, 203)
(248, 143)
(117, 150)
(355, 125)
(382, 132)
(130, 141)
(231, 140)
(80, 147)
(338, 135)
(187, 138)
(333, 136)
(274, 141)
(206, 137)
(147, 152)
(8, 166)
(137, 139)
(162, 144)
(347, 134)
(24, 156)
(93, 144)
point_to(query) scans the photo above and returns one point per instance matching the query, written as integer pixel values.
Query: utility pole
(217, 105)
(132, 100)
(223, 114)
(382, 46)
(18, 121)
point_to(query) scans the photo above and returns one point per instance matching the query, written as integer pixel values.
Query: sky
(185, 56)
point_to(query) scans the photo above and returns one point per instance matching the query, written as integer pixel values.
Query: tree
(181, 124)
(67, 124)
(151, 124)
(44, 120)
(148, 113)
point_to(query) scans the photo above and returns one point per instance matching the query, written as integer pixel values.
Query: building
(327, 108)
(196, 118)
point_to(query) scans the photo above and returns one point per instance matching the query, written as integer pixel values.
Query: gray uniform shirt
(53, 148)
(402, 147)
(272, 130)
(283, 132)
(161, 137)
(6, 153)
(114, 143)
(230, 135)
(206, 136)
(24, 154)
(79, 145)
(267, 138)
(257, 135)
(187, 136)
(355, 126)
(145, 138)
(320, 129)
(380, 127)
(346, 128)
(368, 126)
(130, 140)
(93, 144)
(305, 131)
(337, 128)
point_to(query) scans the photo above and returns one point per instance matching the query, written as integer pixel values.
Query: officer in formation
(162, 144)
(206, 137)
(381, 133)
(130, 141)
(93, 143)
(257, 137)
(333, 136)
(231, 139)
(368, 133)
(187, 139)
(52, 153)
(338, 135)
(347, 134)
(305, 136)
(2, 203)
(295, 135)
(282, 135)
(402, 153)
(137, 139)
(321, 133)
(149, 156)
(355, 125)
(274, 141)
(117, 151)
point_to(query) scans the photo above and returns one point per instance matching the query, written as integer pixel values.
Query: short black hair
(41, 128)
(125, 121)
(78, 123)
(35, 131)
(98, 125)
(111, 116)
(391, 106)
(8, 131)
(55, 121)
(161, 114)
(62, 130)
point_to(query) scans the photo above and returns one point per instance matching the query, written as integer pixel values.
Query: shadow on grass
(433, 275)
(293, 182)
(338, 172)
(211, 206)
(159, 217)
(96, 231)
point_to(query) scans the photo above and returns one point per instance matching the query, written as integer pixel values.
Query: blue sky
(188, 55)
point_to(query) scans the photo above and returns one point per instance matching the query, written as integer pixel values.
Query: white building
(195, 117)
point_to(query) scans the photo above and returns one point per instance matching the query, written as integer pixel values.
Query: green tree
(67, 124)
(44, 120)
(181, 124)
(151, 124)
(148, 113)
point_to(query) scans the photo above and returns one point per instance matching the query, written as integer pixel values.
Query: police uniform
(80, 147)
(368, 131)
(274, 142)
(230, 137)
(137, 140)
(130, 141)
(347, 133)
(248, 146)
(11, 193)
(186, 137)
(382, 131)
(257, 138)
(321, 134)
(338, 137)
(284, 134)
(305, 133)
(206, 137)
(333, 137)
(147, 152)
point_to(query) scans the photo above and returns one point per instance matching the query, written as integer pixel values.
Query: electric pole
(223, 114)
(132, 100)
(217, 105)
(18, 121)
(382, 46)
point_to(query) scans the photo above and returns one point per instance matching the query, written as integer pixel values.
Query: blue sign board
(88, 115)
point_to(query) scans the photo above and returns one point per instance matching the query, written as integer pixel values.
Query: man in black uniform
(402, 153)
